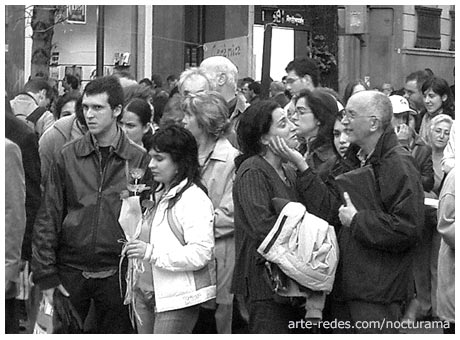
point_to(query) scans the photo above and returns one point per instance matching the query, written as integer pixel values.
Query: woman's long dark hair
(324, 108)
(181, 145)
(255, 122)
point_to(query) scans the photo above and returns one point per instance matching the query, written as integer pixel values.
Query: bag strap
(36, 114)
(173, 224)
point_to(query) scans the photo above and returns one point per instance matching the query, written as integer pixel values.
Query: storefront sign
(282, 16)
(76, 14)
(235, 49)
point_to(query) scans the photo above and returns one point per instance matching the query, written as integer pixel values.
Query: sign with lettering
(282, 16)
(235, 49)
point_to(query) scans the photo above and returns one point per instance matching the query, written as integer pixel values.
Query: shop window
(452, 30)
(428, 28)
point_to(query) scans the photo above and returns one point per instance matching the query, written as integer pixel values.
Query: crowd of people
(146, 206)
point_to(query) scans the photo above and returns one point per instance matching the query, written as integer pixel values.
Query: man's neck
(34, 97)
(107, 137)
(227, 94)
(368, 145)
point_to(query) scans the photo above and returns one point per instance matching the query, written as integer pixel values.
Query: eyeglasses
(352, 116)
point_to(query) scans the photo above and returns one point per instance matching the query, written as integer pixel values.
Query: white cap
(400, 105)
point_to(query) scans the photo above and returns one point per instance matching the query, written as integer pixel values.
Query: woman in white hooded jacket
(181, 233)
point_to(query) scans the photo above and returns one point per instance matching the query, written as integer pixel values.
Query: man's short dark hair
(255, 87)
(304, 66)
(248, 80)
(157, 81)
(72, 81)
(35, 85)
(111, 86)
(172, 77)
(419, 76)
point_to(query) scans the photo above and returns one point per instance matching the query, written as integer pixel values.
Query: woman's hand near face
(280, 148)
(136, 249)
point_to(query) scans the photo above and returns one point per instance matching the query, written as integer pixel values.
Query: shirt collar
(363, 157)
(113, 145)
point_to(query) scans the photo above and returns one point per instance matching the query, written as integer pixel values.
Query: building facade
(375, 43)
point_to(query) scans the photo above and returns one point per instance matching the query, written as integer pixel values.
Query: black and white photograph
(229, 168)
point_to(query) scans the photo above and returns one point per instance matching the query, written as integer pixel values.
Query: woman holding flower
(181, 233)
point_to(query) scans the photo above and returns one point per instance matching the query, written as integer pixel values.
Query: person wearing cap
(411, 140)
(419, 306)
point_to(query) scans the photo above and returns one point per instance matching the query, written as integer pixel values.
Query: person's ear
(308, 81)
(117, 111)
(221, 79)
(444, 97)
(42, 94)
(375, 123)
(265, 139)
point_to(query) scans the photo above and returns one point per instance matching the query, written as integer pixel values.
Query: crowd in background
(214, 157)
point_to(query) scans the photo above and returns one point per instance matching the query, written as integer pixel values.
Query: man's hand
(136, 249)
(279, 147)
(347, 211)
(403, 132)
(48, 293)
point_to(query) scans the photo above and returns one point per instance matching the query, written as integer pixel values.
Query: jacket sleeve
(223, 210)
(424, 162)
(395, 228)
(31, 162)
(254, 195)
(46, 149)
(47, 228)
(15, 211)
(194, 214)
(319, 198)
(446, 211)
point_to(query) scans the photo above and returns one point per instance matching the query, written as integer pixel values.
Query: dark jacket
(21, 134)
(376, 250)
(255, 185)
(77, 224)
(424, 162)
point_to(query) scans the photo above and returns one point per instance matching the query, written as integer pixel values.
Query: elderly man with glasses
(381, 214)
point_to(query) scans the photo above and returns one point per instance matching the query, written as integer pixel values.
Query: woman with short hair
(206, 117)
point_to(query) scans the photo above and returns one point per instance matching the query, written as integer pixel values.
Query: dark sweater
(255, 185)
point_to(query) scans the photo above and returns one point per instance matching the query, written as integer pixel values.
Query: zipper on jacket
(99, 197)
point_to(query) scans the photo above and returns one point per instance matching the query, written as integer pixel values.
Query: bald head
(223, 74)
(374, 103)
